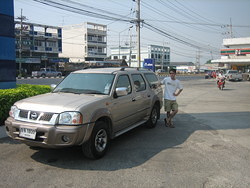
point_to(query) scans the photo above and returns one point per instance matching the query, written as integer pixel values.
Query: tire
(151, 123)
(43, 75)
(98, 143)
(59, 75)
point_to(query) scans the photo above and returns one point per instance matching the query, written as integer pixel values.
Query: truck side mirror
(120, 91)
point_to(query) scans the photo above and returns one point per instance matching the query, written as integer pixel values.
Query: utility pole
(231, 28)
(198, 60)
(20, 41)
(162, 57)
(138, 23)
(130, 50)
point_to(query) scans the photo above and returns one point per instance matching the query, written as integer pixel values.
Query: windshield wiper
(93, 92)
(67, 90)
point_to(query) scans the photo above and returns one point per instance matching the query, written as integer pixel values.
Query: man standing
(173, 88)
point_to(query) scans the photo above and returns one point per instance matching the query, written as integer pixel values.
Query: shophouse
(84, 42)
(37, 46)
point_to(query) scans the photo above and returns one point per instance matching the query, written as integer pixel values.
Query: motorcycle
(221, 83)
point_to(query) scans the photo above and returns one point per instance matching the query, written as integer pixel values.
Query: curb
(2, 132)
(30, 77)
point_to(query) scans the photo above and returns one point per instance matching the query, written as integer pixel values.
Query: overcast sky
(188, 27)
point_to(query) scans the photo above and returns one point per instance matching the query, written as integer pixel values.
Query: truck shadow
(139, 145)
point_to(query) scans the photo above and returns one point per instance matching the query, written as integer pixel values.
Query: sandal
(167, 122)
(171, 125)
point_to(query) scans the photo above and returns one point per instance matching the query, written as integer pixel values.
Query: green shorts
(170, 105)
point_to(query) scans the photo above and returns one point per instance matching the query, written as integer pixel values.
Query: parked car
(233, 75)
(46, 72)
(88, 108)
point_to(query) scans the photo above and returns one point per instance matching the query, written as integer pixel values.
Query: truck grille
(35, 115)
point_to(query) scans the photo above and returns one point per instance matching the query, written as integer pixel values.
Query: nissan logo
(34, 115)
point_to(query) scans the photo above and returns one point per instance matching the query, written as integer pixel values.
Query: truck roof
(112, 70)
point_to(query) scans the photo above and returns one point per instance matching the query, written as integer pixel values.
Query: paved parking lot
(210, 147)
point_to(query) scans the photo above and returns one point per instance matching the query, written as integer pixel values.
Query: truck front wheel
(98, 143)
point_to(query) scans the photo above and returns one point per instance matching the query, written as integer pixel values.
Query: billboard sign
(149, 64)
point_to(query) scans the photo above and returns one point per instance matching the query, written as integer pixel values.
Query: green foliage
(9, 96)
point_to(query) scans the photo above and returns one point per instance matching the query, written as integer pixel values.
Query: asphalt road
(210, 147)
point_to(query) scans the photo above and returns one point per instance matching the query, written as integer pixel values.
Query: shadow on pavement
(137, 146)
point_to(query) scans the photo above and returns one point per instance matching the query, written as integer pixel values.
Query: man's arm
(178, 93)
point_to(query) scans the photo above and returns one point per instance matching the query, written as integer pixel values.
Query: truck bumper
(47, 136)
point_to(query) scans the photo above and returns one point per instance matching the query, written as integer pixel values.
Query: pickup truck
(88, 108)
(46, 72)
(233, 75)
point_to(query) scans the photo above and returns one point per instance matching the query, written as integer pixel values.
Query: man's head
(172, 73)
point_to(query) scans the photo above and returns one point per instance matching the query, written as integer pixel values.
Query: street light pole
(20, 41)
(20, 44)
(138, 34)
(120, 40)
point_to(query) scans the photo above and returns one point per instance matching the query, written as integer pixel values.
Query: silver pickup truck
(233, 75)
(88, 108)
(46, 72)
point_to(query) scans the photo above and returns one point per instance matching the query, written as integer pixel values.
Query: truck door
(124, 107)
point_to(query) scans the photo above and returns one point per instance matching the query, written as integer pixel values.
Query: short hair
(172, 70)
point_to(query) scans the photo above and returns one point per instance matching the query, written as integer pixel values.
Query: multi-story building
(37, 45)
(85, 42)
(236, 53)
(160, 54)
(7, 46)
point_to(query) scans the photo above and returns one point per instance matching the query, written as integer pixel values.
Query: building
(183, 67)
(7, 46)
(160, 54)
(85, 42)
(37, 46)
(236, 54)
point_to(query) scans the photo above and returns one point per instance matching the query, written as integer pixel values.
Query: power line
(83, 11)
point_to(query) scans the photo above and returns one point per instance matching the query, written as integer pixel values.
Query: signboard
(149, 64)
(57, 60)
(28, 60)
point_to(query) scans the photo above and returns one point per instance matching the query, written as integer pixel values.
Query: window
(123, 81)
(152, 56)
(51, 44)
(133, 56)
(124, 57)
(115, 57)
(88, 83)
(139, 82)
(151, 78)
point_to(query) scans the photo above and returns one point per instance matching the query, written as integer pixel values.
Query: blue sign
(149, 64)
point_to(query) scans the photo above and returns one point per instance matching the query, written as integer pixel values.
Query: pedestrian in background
(173, 88)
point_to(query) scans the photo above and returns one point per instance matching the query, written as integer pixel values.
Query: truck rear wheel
(152, 121)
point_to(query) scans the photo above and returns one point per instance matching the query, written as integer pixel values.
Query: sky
(193, 29)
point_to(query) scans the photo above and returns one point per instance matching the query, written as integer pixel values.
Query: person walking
(173, 88)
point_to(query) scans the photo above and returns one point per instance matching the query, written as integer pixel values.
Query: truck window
(139, 82)
(151, 78)
(123, 81)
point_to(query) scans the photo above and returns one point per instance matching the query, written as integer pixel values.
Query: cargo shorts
(170, 105)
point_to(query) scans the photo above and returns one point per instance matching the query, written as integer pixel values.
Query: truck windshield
(87, 83)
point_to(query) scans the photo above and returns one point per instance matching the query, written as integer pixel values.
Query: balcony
(97, 32)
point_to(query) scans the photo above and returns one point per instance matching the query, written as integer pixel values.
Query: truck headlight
(13, 111)
(70, 118)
